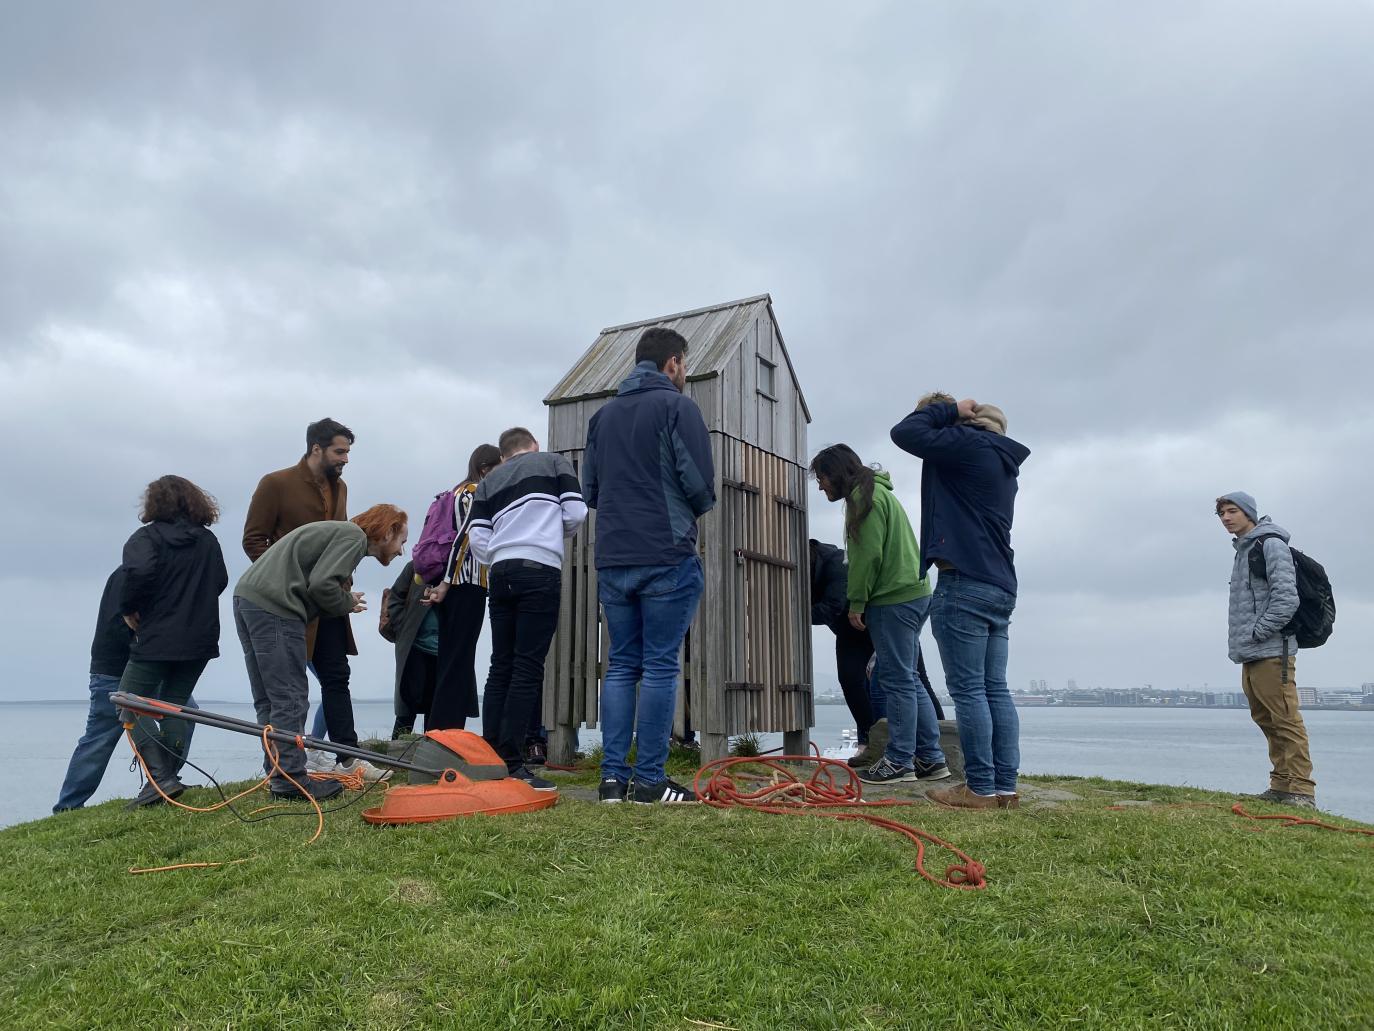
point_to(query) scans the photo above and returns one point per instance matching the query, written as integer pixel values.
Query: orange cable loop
(785, 793)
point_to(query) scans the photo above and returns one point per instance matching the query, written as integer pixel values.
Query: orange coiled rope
(831, 786)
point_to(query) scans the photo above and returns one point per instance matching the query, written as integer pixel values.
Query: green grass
(587, 916)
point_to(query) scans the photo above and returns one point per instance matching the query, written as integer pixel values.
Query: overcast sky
(1144, 230)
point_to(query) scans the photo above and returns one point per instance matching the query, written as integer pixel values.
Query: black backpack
(1316, 614)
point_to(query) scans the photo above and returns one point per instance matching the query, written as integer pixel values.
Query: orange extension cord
(832, 785)
(1289, 819)
(353, 781)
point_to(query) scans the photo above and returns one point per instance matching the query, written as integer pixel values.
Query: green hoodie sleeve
(866, 557)
(333, 570)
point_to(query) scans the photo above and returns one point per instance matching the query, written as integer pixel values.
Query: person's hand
(358, 604)
(856, 620)
(434, 595)
(966, 407)
(132, 621)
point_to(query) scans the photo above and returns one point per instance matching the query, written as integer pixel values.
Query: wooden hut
(747, 663)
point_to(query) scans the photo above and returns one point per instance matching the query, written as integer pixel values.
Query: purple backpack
(432, 550)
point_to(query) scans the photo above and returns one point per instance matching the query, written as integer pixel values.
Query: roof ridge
(686, 314)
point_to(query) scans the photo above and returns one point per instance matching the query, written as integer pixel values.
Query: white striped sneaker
(669, 792)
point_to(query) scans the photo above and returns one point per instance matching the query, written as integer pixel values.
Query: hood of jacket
(180, 534)
(645, 377)
(1266, 527)
(1012, 452)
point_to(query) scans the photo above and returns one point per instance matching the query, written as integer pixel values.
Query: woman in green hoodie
(889, 597)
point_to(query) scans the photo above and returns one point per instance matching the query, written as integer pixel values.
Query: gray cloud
(1145, 232)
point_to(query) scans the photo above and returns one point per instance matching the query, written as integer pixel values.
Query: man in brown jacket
(307, 492)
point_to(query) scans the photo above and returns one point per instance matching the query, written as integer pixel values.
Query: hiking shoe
(1293, 798)
(885, 771)
(611, 790)
(864, 757)
(522, 774)
(172, 788)
(1272, 795)
(371, 774)
(319, 790)
(931, 771)
(878, 736)
(536, 753)
(1012, 801)
(960, 797)
(668, 792)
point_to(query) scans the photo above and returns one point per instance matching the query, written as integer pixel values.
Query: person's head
(935, 397)
(839, 473)
(327, 444)
(485, 458)
(1238, 512)
(667, 349)
(386, 527)
(170, 498)
(516, 441)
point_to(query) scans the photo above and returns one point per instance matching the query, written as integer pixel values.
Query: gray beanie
(1242, 501)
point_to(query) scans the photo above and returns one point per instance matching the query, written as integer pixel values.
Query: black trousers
(853, 649)
(330, 660)
(418, 679)
(524, 599)
(460, 617)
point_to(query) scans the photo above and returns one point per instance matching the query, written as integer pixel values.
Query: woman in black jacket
(173, 576)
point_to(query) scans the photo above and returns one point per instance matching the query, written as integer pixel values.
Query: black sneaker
(931, 771)
(885, 771)
(536, 753)
(611, 790)
(319, 790)
(668, 792)
(150, 795)
(522, 773)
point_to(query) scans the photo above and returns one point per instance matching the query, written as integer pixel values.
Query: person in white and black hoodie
(521, 514)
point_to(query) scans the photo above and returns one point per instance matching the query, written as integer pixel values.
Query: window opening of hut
(768, 374)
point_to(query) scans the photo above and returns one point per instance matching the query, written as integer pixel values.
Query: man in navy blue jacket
(968, 491)
(648, 473)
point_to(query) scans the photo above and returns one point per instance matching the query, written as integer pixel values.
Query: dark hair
(659, 344)
(517, 438)
(847, 474)
(322, 433)
(485, 458)
(169, 498)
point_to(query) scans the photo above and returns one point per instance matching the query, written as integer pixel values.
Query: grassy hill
(588, 916)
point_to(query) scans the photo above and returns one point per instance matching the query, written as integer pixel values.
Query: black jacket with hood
(173, 576)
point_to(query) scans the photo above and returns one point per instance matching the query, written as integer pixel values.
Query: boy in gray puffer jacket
(1259, 610)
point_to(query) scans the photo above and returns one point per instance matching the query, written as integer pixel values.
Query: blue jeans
(97, 744)
(648, 610)
(970, 619)
(896, 633)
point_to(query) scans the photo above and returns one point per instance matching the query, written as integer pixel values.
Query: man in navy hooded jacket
(648, 473)
(968, 491)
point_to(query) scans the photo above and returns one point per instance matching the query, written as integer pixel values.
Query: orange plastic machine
(452, 772)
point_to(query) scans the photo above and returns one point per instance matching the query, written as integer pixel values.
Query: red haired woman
(305, 575)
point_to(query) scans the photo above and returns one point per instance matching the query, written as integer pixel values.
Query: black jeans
(461, 615)
(330, 660)
(170, 682)
(415, 696)
(853, 649)
(524, 598)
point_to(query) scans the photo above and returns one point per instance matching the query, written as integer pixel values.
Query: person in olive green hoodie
(889, 597)
(305, 575)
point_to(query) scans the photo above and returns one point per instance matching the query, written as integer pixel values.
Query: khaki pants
(1274, 708)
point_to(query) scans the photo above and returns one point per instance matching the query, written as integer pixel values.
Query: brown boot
(960, 797)
(1008, 801)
